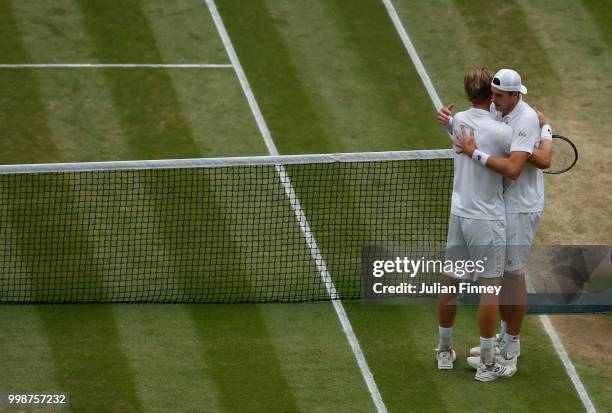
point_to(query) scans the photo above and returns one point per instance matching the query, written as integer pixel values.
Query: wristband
(480, 157)
(546, 133)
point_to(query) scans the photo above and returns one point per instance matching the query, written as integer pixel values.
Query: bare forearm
(542, 156)
(510, 167)
(504, 166)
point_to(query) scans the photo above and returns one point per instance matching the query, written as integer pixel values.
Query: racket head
(564, 155)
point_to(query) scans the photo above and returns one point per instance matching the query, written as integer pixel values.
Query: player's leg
(515, 304)
(503, 315)
(520, 231)
(447, 306)
(489, 368)
(486, 240)
(487, 319)
(447, 311)
(520, 234)
(447, 303)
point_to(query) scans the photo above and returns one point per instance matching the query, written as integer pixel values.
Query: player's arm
(445, 117)
(510, 167)
(542, 155)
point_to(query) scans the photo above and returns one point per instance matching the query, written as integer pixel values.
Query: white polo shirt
(477, 190)
(526, 194)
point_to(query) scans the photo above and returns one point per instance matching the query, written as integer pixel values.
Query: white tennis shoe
(497, 371)
(445, 359)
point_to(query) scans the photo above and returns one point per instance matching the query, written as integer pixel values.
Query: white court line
(299, 213)
(420, 68)
(567, 363)
(114, 65)
(552, 333)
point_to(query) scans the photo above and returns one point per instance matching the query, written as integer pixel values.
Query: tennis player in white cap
(523, 197)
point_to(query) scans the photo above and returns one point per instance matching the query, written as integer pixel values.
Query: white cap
(508, 81)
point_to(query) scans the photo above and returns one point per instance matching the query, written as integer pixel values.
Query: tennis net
(219, 230)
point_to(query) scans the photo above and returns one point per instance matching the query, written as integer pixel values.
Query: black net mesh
(260, 233)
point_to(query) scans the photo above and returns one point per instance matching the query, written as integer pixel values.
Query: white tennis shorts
(476, 240)
(520, 231)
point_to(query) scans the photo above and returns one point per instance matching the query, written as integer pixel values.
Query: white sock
(512, 345)
(502, 328)
(446, 338)
(487, 351)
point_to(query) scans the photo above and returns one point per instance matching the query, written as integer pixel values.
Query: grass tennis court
(329, 76)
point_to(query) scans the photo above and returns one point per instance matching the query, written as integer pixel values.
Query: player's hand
(465, 141)
(444, 114)
(541, 118)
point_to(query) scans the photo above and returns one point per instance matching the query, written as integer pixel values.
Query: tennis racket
(564, 155)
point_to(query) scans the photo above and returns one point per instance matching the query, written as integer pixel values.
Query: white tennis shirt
(526, 194)
(477, 190)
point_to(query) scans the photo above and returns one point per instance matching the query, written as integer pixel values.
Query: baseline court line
(299, 213)
(548, 327)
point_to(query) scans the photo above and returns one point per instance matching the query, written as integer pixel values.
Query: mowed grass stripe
(384, 64)
(341, 80)
(478, 42)
(81, 113)
(88, 357)
(241, 359)
(164, 352)
(84, 123)
(27, 364)
(121, 32)
(315, 358)
(213, 103)
(150, 115)
(288, 109)
(184, 32)
(439, 43)
(52, 32)
(82, 117)
(495, 35)
(402, 360)
(23, 113)
(349, 84)
(601, 13)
